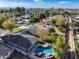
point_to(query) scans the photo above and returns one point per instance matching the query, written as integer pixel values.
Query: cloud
(62, 2)
(38, 4)
(37, 0)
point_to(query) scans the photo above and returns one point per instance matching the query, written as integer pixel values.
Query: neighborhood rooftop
(20, 41)
(4, 50)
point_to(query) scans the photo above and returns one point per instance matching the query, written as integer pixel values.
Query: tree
(54, 21)
(42, 35)
(23, 10)
(2, 19)
(66, 13)
(59, 46)
(75, 23)
(51, 30)
(19, 11)
(9, 24)
(46, 13)
(77, 49)
(34, 20)
(40, 15)
(1, 11)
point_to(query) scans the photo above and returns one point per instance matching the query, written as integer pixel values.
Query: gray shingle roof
(24, 40)
(18, 41)
(4, 50)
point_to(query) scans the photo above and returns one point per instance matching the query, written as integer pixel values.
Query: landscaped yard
(16, 30)
(31, 25)
(57, 42)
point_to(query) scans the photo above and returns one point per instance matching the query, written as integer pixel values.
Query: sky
(40, 3)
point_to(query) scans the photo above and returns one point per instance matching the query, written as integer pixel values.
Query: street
(70, 41)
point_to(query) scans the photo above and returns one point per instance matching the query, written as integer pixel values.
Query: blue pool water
(45, 50)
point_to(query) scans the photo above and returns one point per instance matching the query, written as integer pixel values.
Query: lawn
(16, 30)
(31, 25)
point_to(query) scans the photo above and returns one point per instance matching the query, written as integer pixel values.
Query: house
(53, 17)
(27, 45)
(5, 52)
(3, 32)
(22, 21)
(31, 30)
(22, 18)
(18, 19)
(23, 42)
(25, 17)
(76, 18)
(41, 26)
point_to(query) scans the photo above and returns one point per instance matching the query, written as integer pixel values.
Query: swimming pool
(45, 50)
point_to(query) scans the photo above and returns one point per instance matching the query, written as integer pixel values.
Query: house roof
(77, 17)
(29, 30)
(24, 39)
(4, 50)
(25, 33)
(18, 18)
(24, 27)
(32, 39)
(3, 32)
(20, 42)
(25, 16)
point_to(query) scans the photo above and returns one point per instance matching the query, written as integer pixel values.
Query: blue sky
(40, 3)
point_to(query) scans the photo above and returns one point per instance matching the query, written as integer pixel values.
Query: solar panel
(19, 41)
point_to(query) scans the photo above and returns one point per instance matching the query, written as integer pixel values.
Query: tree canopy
(9, 24)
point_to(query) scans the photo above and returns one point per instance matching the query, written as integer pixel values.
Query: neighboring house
(77, 31)
(43, 27)
(76, 18)
(53, 17)
(22, 21)
(3, 32)
(18, 19)
(5, 52)
(25, 17)
(31, 30)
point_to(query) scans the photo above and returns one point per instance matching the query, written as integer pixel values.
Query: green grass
(8, 32)
(16, 30)
(31, 25)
